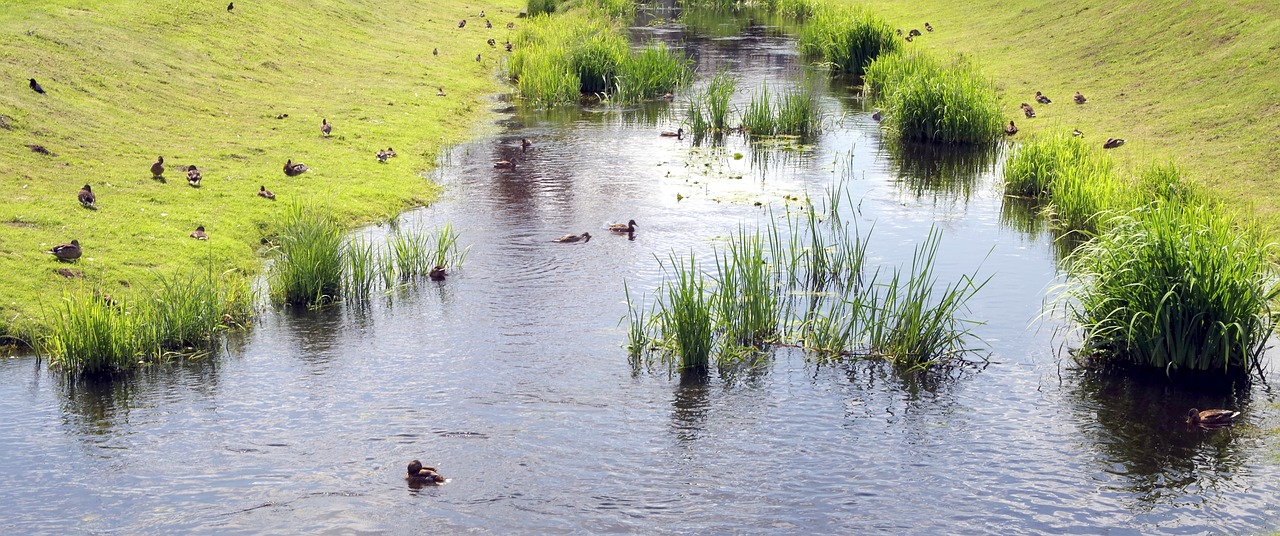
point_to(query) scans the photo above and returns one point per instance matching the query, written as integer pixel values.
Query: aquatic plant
(363, 267)
(746, 298)
(708, 110)
(445, 250)
(848, 38)
(795, 113)
(928, 100)
(540, 7)
(652, 72)
(184, 310)
(309, 268)
(88, 335)
(1173, 286)
(1077, 180)
(685, 317)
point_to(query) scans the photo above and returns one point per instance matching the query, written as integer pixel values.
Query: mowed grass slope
(1194, 82)
(130, 80)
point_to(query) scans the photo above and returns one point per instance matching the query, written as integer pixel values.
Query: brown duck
(629, 227)
(1212, 417)
(1011, 129)
(66, 252)
(504, 164)
(1028, 110)
(86, 197)
(1079, 98)
(437, 273)
(417, 474)
(193, 176)
(263, 192)
(157, 169)
(199, 233)
(570, 238)
(678, 134)
(293, 170)
(325, 127)
(1112, 143)
(1040, 98)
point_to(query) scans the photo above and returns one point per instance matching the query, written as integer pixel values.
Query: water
(512, 379)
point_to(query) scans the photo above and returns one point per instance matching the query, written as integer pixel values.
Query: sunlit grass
(927, 99)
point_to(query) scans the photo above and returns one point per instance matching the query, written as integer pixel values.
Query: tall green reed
(848, 38)
(708, 110)
(309, 269)
(928, 100)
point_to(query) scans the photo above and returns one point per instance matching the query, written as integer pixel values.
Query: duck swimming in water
(417, 474)
(629, 227)
(570, 238)
(678, 134)
(1212, 417)
(504, 164)
(437, 273)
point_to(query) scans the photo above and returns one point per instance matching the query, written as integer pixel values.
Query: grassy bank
(234, 93)
(1186, 81)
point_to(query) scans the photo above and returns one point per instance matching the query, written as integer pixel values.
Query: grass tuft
(926, 99)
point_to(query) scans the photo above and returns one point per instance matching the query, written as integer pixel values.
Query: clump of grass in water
(926, 99)
(652, 72)
(709, 108)
(746, 299)
(89, 336)
(1175, 287)
(685, 315)
(362, 267)
(796, 114)
(1077, 180)
(412, 253)
(848, 38)
(309, 270)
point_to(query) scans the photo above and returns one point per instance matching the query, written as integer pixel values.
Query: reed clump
(709, 110)
(927, 99)
(652, 72)
(846, 37)
(1078, 182)
(794, 113)
(310, 265)
(1176, 287)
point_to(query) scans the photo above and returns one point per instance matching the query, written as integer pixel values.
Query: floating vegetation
(1175, 287)
(801, 283)
(926, 99)
(847, 38)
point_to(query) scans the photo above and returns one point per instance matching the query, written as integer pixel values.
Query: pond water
(512, 377)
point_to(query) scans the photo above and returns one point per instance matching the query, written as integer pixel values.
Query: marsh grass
(540, 7)
(746, 298)
(926, 99)
(652, 72)
(1079, 183)
(1175, 287)
(363, 268)
(848, 38)
(794, 112)
(685, 314)
(310, 266)
(708, 108)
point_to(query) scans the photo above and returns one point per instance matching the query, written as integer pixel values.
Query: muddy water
(512, 379)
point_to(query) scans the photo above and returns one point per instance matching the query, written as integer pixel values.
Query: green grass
(128, 82)
(847, 38)
(708, 109)
(652, 72)
(309, 269)
(1187, 82)
(794, 112)
(928, 99)
(1174, 287)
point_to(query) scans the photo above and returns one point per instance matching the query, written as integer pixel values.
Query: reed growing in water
(708, 110)
(926, 99)
(652, 72)
(1078, 182)
(794, 113)
(848, 38)
(1173, 286)
(309, 269)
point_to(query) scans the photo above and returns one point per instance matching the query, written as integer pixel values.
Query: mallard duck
(293, 170)
(584, 237)
(1112, 143)
(525, 144)
(927, 27)
(1028, 110)
(66, 252)
(509, 46)
(86, 197)
(417, 474)
(482, 14)
(435, 52)
(629, 227)
(1040, 98)
(876, 116)
(437, 273)
(265, 193)
(382, 156)
(391, 152)
(488, 24)
(1212, 417)
(1011, 129)
(477, 58)
(678, 134)
(199, 233)
(1075, 133)
(914, 32)
(511, 25)
(504, 164)
(1079, 98)
(157, 169)
(462, 23)
(325, 127)
(440, 92)
(668, 96)
(35, 86)
(910, 39)
(492, 43)
(193, 176)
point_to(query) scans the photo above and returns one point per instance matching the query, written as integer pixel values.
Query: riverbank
(236, 93)
(1192, 83)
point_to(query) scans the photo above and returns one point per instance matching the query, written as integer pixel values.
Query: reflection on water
(944, 171)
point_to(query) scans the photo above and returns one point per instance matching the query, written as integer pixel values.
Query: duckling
(199, 233)
(1212, 417)
(488, 24)
(492, 43)
(417, 474)
(511, 25)
(914, 32)
(435, 52)
(1079, 98)
(876, 116)
(382, 156)
(927, 27)
(462, 23)
(440, 92)
(86, 197)
(569, 238)
(66, 252)
(437, 273)
(504, 164)
(293, 170)
(1112, 143)
(1075, 133)
(482, 14)
(525, 144)
(1040, 98)
(193, 176)
(678, 134)
(264, 193)
(157, 169)
(391, 152)
(35, 86)
(325, 127)
(629, 227)
(1028, 110)
(1011, 129)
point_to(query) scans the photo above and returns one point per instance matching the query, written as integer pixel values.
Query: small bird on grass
(1040, 98)
(435, 52)
(1011, 129)
(294, 169)
(492, 43)
(264, 193)
(86, 197)
(199, 233)
(66, 252)
(511, 25)
(193, 176)
(157, 169)
(1075, 133)
(899, 32)
(382, 156)
(1028, 110)
(910, 39)
(231, 6)
(927, 27)
(325, 127)
(462, 23)
(1112, 143)
(477, 58)
(914, 32)
(1079, 98)
(35, 86)
(488, 24)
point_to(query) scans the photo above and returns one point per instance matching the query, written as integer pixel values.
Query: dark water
(511, 377)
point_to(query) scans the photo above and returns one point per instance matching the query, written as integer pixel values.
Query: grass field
(127, 81)
(1189, 81)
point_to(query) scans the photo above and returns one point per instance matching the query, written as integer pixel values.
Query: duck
(1079, 98)
(417, 474)
(1011, 129)
(437, 273)
(511, 25)
(668, 96)
(525, 144)
(1028, 110)
(678, 134)
(927, 27)
(1112, 143)
(876, 116)
(914, 32)
(584, 238)
(382, 156)
(899, 32)
(231, 6)
(263, 192)
(629, 227)
(1075, 133)
(462, 23)
(391, 152)
(1040, 98)
(910, 38)
(440, 92)
(504, 164)
(157, 169)
(199, 233)
(492, 43)
(35, 86)
(508, 45)
(477, 58)
(325, 127)
(193, 176)
(66, 252)
(86, 197)
(1212, 417)
(482, 14)
(488, 24)
(435, 52)
(293, 170)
